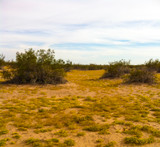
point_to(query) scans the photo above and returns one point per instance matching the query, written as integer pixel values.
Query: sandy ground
(71, 89)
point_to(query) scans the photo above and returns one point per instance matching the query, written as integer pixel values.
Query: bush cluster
(153, 65)
(37, 67)
(134, 74)
(117, 69)
(141, 76)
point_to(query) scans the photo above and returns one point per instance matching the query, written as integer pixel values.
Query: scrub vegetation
(36, 67)
(86, 111)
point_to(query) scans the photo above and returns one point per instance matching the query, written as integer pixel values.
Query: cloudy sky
(84, 31)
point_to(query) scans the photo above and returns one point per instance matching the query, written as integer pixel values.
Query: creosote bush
(153, 65)
(36, 67)
(141, 76)
(117, 69)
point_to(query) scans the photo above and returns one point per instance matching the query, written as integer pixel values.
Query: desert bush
(69, 142)
(117, 69)
(4, 141)
(153, 65)
(62, 133)
(37, 67)
(7, 74)
(110, 144)
(81, 134)
(1, 60)
(141, 76)
(68, 66)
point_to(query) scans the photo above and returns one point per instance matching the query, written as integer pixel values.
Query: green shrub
(138, 141)
(16, 135)
(110, 144)
(62, 133)
(69, 142)
(99, 140)
(68, 66)
(141, 76)
(51, 142)
(153, 65)
(133, 131)
(7, 74)
(117, 69)
(3, 141)
(102, 129)
(37, 67)
(81, 134)
(54, 140)
(149, 129)
(3, 131)
(34, 142)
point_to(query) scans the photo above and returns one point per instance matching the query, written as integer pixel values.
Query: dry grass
(86, 112)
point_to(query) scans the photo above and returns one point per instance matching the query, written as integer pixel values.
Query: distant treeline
(68, 65)
(88, 67)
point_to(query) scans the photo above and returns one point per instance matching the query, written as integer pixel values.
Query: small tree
(37, 67)
(117, 69)
(26, 71)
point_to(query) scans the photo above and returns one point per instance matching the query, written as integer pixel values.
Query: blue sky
(84, 31)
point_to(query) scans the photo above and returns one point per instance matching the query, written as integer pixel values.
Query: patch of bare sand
(69, 89)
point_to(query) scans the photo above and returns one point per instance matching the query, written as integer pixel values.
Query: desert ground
(84, 112)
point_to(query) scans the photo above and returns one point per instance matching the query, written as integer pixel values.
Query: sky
(83, 31)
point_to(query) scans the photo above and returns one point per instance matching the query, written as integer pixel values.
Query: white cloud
(84, 21)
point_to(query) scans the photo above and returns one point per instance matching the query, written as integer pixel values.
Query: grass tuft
(62, 133)
(69, 142)
(138, 141)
